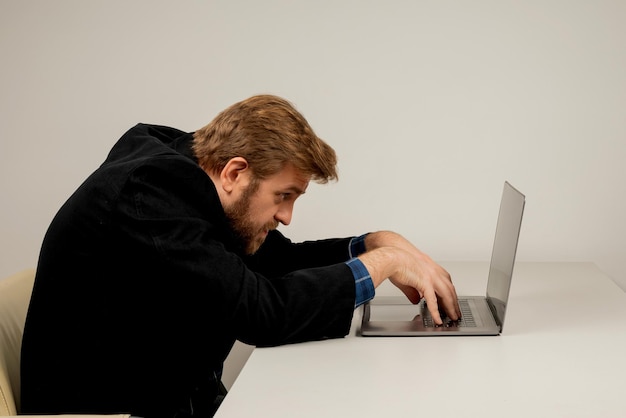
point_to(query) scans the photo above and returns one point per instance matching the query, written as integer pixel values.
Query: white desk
(562, 354)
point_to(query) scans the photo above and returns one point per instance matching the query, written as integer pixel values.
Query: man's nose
(284, 214)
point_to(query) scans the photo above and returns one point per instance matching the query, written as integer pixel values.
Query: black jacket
(141, 289)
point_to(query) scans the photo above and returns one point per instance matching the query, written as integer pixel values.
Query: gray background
(430, 106)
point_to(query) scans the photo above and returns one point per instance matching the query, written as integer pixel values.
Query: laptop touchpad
(404, 312)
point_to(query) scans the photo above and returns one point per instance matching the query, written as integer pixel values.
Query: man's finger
(433, 307)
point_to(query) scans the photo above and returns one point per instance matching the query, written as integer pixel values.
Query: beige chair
(14, 298)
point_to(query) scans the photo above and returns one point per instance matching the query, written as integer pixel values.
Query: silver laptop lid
(504, 250)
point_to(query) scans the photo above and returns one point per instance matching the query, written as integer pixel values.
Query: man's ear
(235, 172)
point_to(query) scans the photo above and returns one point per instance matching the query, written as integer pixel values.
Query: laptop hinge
(494, 312)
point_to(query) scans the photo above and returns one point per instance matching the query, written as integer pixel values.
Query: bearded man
(169, 252)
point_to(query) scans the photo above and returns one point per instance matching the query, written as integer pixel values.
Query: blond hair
(268, 132)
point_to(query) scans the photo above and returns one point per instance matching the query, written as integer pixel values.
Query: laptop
(481, 315)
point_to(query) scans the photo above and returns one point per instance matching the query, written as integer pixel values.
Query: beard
(250, 234)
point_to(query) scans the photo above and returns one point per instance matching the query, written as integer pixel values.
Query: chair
(14, 299)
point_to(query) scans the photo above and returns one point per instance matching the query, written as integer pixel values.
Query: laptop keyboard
(467, 318)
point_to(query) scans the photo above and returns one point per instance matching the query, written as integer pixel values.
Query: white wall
(430, 106)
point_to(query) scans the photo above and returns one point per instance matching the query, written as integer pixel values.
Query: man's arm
(389, 255)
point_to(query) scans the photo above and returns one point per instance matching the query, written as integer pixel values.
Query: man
(169, 252)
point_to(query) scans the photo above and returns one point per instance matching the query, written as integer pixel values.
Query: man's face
(264, 204)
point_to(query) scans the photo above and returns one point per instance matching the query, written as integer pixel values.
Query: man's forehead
(290, 179)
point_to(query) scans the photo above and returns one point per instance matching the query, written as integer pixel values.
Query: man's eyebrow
(295, 189)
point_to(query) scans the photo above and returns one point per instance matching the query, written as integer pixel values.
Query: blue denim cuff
(363, 282)
(357, 246)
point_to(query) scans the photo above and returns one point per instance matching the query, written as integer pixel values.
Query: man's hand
(389, 255)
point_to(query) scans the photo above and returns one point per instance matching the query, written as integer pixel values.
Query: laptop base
(380, 319)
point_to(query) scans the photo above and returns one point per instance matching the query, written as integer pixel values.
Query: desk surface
(562, 354)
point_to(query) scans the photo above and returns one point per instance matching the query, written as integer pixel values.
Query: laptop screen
(504, 249)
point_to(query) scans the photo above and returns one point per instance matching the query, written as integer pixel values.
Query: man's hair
(268, 132)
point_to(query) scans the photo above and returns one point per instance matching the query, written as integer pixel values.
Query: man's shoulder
(148, 159)
(144, 141)
(165, 134)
